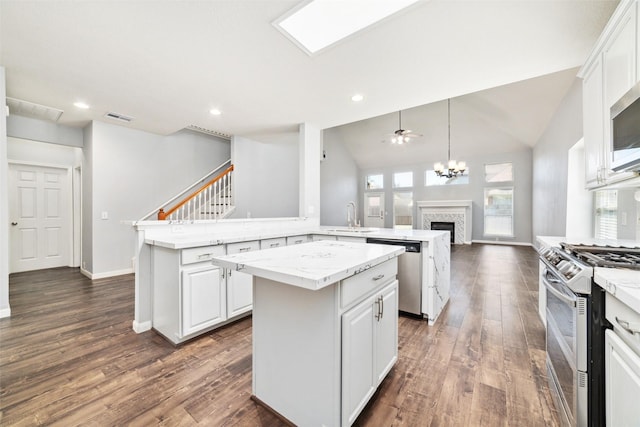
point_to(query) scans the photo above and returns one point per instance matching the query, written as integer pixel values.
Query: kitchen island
(174, 275)
(325, 326)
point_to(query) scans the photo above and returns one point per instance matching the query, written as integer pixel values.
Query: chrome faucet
(352, 221)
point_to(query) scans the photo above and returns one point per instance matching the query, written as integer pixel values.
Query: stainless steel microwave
(625, 131)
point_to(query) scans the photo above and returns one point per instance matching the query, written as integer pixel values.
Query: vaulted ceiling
(167, 63)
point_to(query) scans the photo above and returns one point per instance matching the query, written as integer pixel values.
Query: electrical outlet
(104, 215)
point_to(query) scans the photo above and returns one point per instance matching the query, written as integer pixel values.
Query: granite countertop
(622, 283)
(313, 265)
(181, 241)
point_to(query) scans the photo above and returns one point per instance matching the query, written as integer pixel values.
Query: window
(403, 210)
(375, 182)
(498, 172)
(498, 212)
(430, 178)
(606, 205)
(402, 179)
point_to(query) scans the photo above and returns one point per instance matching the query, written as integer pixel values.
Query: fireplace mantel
(456, 211)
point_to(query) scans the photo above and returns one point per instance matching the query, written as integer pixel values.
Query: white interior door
(40, 215)
(374, 209)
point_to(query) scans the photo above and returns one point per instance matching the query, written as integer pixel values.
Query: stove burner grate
(605, 256)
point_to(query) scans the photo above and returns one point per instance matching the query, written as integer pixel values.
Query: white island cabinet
(189, 292)
(325, 327)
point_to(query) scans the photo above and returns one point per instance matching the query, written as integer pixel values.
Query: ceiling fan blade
(413, 135)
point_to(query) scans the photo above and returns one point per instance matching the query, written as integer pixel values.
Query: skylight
(321, 23)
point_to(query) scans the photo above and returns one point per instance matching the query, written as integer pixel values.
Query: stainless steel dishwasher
(409, 274)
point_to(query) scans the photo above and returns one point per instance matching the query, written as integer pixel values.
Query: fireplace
(445, 226)
(456, 212)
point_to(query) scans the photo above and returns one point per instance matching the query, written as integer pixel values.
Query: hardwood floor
(68, 356)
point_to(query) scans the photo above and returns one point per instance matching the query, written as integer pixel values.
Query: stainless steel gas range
(576, 324)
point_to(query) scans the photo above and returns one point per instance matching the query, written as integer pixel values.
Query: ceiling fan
(402, 136)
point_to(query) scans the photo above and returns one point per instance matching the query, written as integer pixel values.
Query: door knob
(14, 223)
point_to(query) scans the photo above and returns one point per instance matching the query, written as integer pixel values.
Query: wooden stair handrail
(162, 215)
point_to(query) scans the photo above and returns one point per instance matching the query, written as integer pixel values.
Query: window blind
(606, 214)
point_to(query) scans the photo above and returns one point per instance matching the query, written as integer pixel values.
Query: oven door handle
(557, 293)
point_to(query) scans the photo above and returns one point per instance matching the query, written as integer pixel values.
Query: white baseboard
(140, 327)
(503, 242)
(5, 312)
(93, 276)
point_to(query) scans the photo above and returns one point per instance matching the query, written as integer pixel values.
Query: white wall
(19, 149)
(338, 181)
(579, 200)
(550, 159)
(627, 214)
(44, 131)
(86, 261)
(5, 309)
(474, 191)
(266, 177)
(134, 172)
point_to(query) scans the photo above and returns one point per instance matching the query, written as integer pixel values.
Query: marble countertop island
(313, 265)
(189, 240)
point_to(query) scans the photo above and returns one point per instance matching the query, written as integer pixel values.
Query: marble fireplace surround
(456, 211)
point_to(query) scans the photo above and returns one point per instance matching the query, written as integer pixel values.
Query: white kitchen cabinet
(622, 374)
(319, 355)
(637, 42)
(369, 349)
(188, 291)
(202, 298)
(240, 285)
(593, 123)
(609, 73)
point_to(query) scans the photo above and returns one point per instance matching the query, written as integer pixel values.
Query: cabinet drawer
(625, 319)
(204, 253)
(273, 243)
(234, 248)
(296, 240)
(356, 287)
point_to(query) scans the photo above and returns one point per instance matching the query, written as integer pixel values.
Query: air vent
(208, 131)
(29, 109)
(117, 116)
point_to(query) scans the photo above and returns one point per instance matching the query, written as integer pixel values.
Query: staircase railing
(207, 198)
(211, 201)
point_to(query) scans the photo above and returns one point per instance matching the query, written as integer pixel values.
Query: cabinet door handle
(204, 256)
(631, 327)
(378, 277)
(274, 245)
(381, 305)
(377, 315)
(245, 249)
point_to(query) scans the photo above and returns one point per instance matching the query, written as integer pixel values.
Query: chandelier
(453, 168)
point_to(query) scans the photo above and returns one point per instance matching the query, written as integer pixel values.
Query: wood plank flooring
(68, 356)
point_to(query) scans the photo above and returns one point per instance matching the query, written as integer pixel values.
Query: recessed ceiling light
(357, 97)
(81, 105)
(215, 112)
(321, 23)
